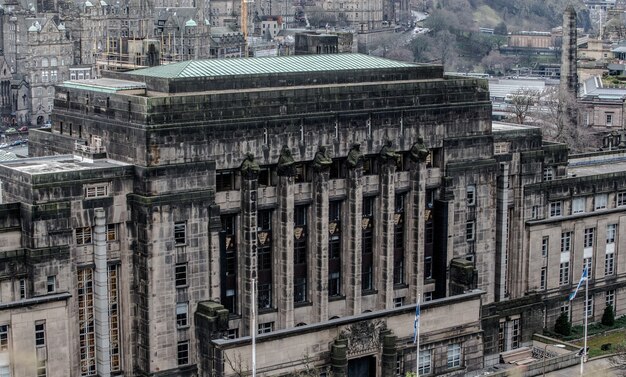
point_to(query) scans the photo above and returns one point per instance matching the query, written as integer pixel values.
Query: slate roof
(269, 65)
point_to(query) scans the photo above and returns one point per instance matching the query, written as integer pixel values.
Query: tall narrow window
(111, 232)
(545, 244)
(183, 353)
(42, 368)
(40, 334)
(543, 277)
(114, 318)
(555, 209)
(470, 195)
(454, 355)
(470, 230)
(4, 337)
(589, 306)
(264, 259)
(300, 266)
(425, 363)
(334, 248)
(51, 284)
(600, 201)
(398, 240)
(86, 324)
(588, 264)
(23, 292)
(589, 237)
(564, 273)
(228, 253)
(610, 298)
(182, 314)
(83, 235)
(578, 205)
(566, 242)
(180, 233)
(367, 244)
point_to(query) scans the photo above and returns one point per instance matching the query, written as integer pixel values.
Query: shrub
(608, 317)
(562, 325)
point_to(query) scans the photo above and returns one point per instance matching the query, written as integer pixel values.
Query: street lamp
(544, 354)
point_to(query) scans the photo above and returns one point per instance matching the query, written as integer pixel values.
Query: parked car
(4, 145)
(23, 129)
(10, 130)
(16, 142)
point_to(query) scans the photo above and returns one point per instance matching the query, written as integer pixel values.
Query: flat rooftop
(269, 65)
(105, 85)
(507, 127)
(597, 165)
(58, 164)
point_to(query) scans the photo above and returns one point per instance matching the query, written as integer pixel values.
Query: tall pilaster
(387, 214)
(249, 188)
(320, 263)
(284, 253)
(417, 207)
(501, 232)
(353, 258)
(569, 76)
(101, 296)
(215, 227)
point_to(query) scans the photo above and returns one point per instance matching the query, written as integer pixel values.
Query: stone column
(283, 255)
(339, 358)
(352, 266)
(389, 354)
(387, 212)
(101, 296)
(248, 249)
(320, 263)
(417, 215)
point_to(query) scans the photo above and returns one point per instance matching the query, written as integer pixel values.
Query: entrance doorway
(362, 367)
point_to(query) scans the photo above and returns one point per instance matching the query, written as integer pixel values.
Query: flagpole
(417, 339)
(253, 329)
(584, 353)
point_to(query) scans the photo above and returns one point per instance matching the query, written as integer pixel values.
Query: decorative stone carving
(363, 336)
(249, 168)
(419, 152)
(286, 163)
(388, 154)
(322, 160)
(355, 158)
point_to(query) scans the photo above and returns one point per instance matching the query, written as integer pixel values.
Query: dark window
(229, 262)
(300, 233)
(226, 180)
(264, 258)
(398, 240)
(40, 334)
(180, 233)
(183, 353)
(180, 272)
(334, 248)
(4, 337)
(367, 244)
(265, 296)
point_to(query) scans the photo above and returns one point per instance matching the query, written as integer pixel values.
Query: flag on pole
(582, 279)
(416, 323)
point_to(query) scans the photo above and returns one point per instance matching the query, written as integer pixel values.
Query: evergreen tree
(563, 325)
(608, 317)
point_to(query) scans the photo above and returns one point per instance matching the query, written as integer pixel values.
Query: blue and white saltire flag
(416, 323)
(582, 279)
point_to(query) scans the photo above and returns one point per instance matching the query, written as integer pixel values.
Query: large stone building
(343, 187)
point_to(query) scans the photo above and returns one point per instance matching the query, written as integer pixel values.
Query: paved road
(593, 368)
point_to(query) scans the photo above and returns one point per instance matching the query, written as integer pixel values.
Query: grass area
(597, 336)
(596, 342)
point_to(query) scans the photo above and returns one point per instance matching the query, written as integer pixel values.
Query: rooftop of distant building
(57, 164)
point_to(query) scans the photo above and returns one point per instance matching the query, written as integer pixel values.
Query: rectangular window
(470, 194)
(96, 191)
(183, 353)
(367, 244)
(51, 284)
(564, 273)
(578, 205)
(610, 298)
(83, 235)
(610, 233)
(425, 363)
(501, 335)
(515, 333)
(182, 312)
(4, 337)
(111, 232)
(454, 355)
(41, 368)
(548, 174)
(565, 308)
(589, 236)
(545, 244)
(428, 233)
(299, 289)
(609, 119)
(542, 282)
(40, 334)
(180, 233)
(589, 307)
(600, 201)
(228, 269)
(609, 264)
(555, 209)
(566, 242)
(225, 180)
(470, 230)
(398, 240)
(232, 334)
(22, 289)
(300, 242)
(428, 267)
(334, 284)
(398, 302)
(621, 199)
(588, 264)
(180, 272)
(264, 298)
(264, 328)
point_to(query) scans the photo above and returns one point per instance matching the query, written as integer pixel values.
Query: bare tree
(521, 103)
(558, 118)
(237, 365)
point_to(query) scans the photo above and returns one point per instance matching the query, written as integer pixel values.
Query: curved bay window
(264, 259)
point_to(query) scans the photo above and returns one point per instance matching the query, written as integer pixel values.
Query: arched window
(53, 62)
(44, 62)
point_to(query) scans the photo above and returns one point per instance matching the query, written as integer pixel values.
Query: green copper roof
(269, 65)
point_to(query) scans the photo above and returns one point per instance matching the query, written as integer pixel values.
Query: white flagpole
(584, 353)
(253, 326)
(417, 338)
